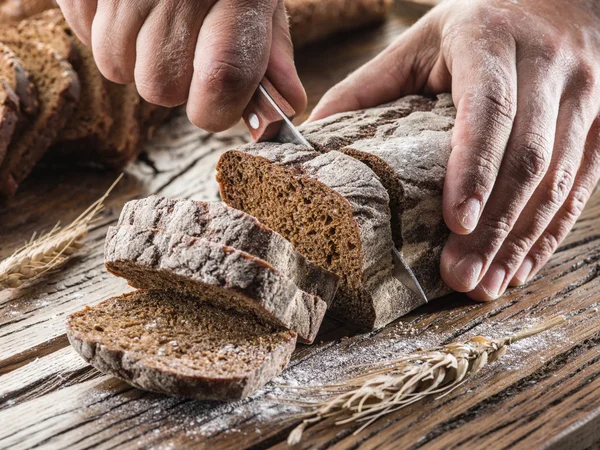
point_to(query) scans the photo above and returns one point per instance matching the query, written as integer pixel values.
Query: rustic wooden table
(544, 394)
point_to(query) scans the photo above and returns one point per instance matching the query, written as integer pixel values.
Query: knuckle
(496, 229)
(576, 203)
(561, 182)
(500, 106)
(227, 77)
(531, 157)
(547, 244)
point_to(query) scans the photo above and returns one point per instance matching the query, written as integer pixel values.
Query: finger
(114, 33)
(486, 106)
(281, 69)
(585, 183)
(402, 68)
(573, 126)
(466, 259)
(79, 15)
(230, 60)
(165, 51)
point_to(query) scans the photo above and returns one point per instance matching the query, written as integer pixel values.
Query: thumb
(402, 68)
(281, 70)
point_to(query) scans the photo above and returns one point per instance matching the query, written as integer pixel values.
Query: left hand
(525, 79)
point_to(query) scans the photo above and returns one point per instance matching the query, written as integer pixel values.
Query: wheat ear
(386, 387)
(49, 251)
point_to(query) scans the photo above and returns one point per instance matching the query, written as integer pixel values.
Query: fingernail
(493, 280)
(467, 271)
(468, 213)
(524, 271)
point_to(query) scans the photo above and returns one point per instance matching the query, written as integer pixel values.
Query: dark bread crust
(57, 102)
(168, 375)
(224, 225)
(230, 278)
(19, 80)
(9, 116)
(369, 296)
(407, 144)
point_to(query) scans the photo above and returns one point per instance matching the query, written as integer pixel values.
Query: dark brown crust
(134, 368)
(9, 115)
(20, 81)
(31, 145)
(221, 224)
(149, 259)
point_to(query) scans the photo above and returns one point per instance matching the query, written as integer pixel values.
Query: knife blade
(268, 117)
(405, 275)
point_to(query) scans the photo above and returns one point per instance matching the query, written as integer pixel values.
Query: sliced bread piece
(19, 80)
(9, 116)
(227, 277)
(58, 87)
(227, 226)
(92, 118)
(175, 345)
(335, 212)
(124, 141)
(407, 144)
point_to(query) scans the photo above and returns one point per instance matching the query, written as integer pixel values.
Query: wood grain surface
(544, 394)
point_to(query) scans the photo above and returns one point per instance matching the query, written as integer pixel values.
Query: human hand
(525, 155)
(210, 53)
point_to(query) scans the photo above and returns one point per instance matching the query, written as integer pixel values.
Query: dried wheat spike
(48, 251)
(388, 386)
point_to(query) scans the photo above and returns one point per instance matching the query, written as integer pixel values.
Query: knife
(268, 117)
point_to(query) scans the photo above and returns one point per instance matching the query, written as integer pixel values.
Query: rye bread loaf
(407, 143)
(9, 116)
(335, 212)
(58, 89)
(227, 277)
(19, 80)
(224, 225)
(172, 344)
(312, 20)
(92, 118)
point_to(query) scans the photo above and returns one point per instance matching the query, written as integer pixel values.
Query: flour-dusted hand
(525, 77)
(210, 53)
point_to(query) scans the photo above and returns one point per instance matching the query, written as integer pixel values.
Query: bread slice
(222, 275)
(224, 225)
(407, 144)
(175, 345)
(335, 212)
(9, 115)
(92, 118)
(125, 137)
(19, 80)
(58, 88)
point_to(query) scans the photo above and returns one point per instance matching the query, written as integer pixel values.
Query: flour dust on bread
(227, 226)
(227, 277)
(58, 90)
(407, 143)
(334, 210)
(175, 345)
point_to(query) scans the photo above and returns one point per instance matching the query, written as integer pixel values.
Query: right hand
(210, 53)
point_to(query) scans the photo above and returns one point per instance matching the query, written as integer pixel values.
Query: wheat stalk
(49, 251)
(389, 386)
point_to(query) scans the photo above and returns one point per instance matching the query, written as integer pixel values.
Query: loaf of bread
(403, 148)
(222, 275)
(313, 20)
(334, 210)
(18, 79)
(407, 144)
(224, 225)
(173, 344)
(58, 88)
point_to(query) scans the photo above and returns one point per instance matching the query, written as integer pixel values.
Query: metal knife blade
(288, 133)
(406, 276)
